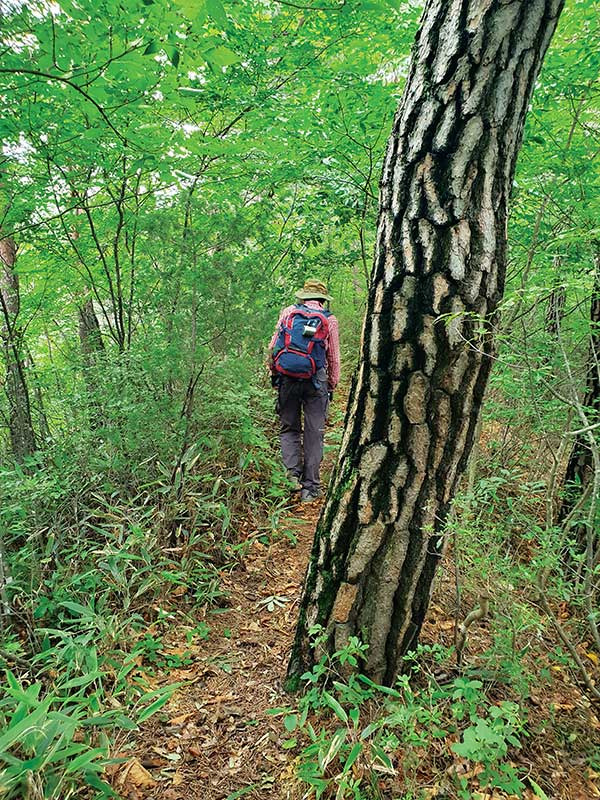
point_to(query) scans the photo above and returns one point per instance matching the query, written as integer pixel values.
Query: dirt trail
(217, 738)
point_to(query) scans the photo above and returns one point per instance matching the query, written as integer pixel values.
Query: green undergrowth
(103, 554)
(502, 543)
(434, 729)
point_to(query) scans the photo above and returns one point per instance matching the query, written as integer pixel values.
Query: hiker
(304, 358)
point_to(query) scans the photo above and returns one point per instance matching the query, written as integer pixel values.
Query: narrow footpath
(214, 738)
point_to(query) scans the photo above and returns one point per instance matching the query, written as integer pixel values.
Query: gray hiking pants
(295, 397)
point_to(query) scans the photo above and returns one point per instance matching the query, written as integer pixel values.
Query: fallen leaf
(181, 718)
(154, 762)
(135, 775)
(218, 699)
(176, 651)
(177, 779)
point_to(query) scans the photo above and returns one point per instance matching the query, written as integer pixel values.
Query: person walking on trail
(305, 367)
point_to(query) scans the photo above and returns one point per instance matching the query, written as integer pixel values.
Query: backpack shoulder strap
(302, 310)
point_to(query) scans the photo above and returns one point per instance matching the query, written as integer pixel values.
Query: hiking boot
(307, 496)
(294, 481)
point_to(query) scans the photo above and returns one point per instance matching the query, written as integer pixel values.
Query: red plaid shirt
(332, 342)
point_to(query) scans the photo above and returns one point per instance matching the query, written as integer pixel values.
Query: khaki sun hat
(313, 290)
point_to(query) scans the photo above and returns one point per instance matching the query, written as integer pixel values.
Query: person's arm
(333, 354)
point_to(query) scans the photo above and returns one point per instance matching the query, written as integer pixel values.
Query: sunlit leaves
(221, 56)
(216, 11)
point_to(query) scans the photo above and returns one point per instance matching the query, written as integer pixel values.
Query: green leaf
(85, 760)
(162, 696)
(325, 758)
(152, 709)
(336, 707)
(77, 608)
(31, 722)
(172, 54)
(221, 56)
(378, 687)
(382, 756)
(537, 789)
(191, 8)
(83, 680)
(105, 790)
(153, 47)
(371, 728)
(216, 11)
(290, 722)
(274, 712)
(352, 756)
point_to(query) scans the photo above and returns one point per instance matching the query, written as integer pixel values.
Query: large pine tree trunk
(427, 348)
(22, 435)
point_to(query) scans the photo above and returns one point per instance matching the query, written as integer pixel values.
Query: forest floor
(218, 737)
(215, 740)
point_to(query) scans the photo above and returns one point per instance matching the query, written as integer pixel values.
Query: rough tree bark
(427, 346)
(22, 434)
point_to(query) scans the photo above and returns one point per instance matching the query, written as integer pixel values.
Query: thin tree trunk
(437, 278)
(38, 398)
(90, 334)
(580, 467)
(92, 350)
(555, 309)
(22, 434)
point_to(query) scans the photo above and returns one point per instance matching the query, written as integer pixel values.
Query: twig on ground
(543, 600)
(475, 615)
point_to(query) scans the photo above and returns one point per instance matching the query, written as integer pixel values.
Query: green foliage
(98, 581)
(54, 740)
(487, 742)
(185, 166)
(354, 737)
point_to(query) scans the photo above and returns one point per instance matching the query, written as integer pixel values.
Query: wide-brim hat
(313, 290)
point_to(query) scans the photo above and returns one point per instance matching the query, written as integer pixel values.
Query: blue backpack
(300, 345)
